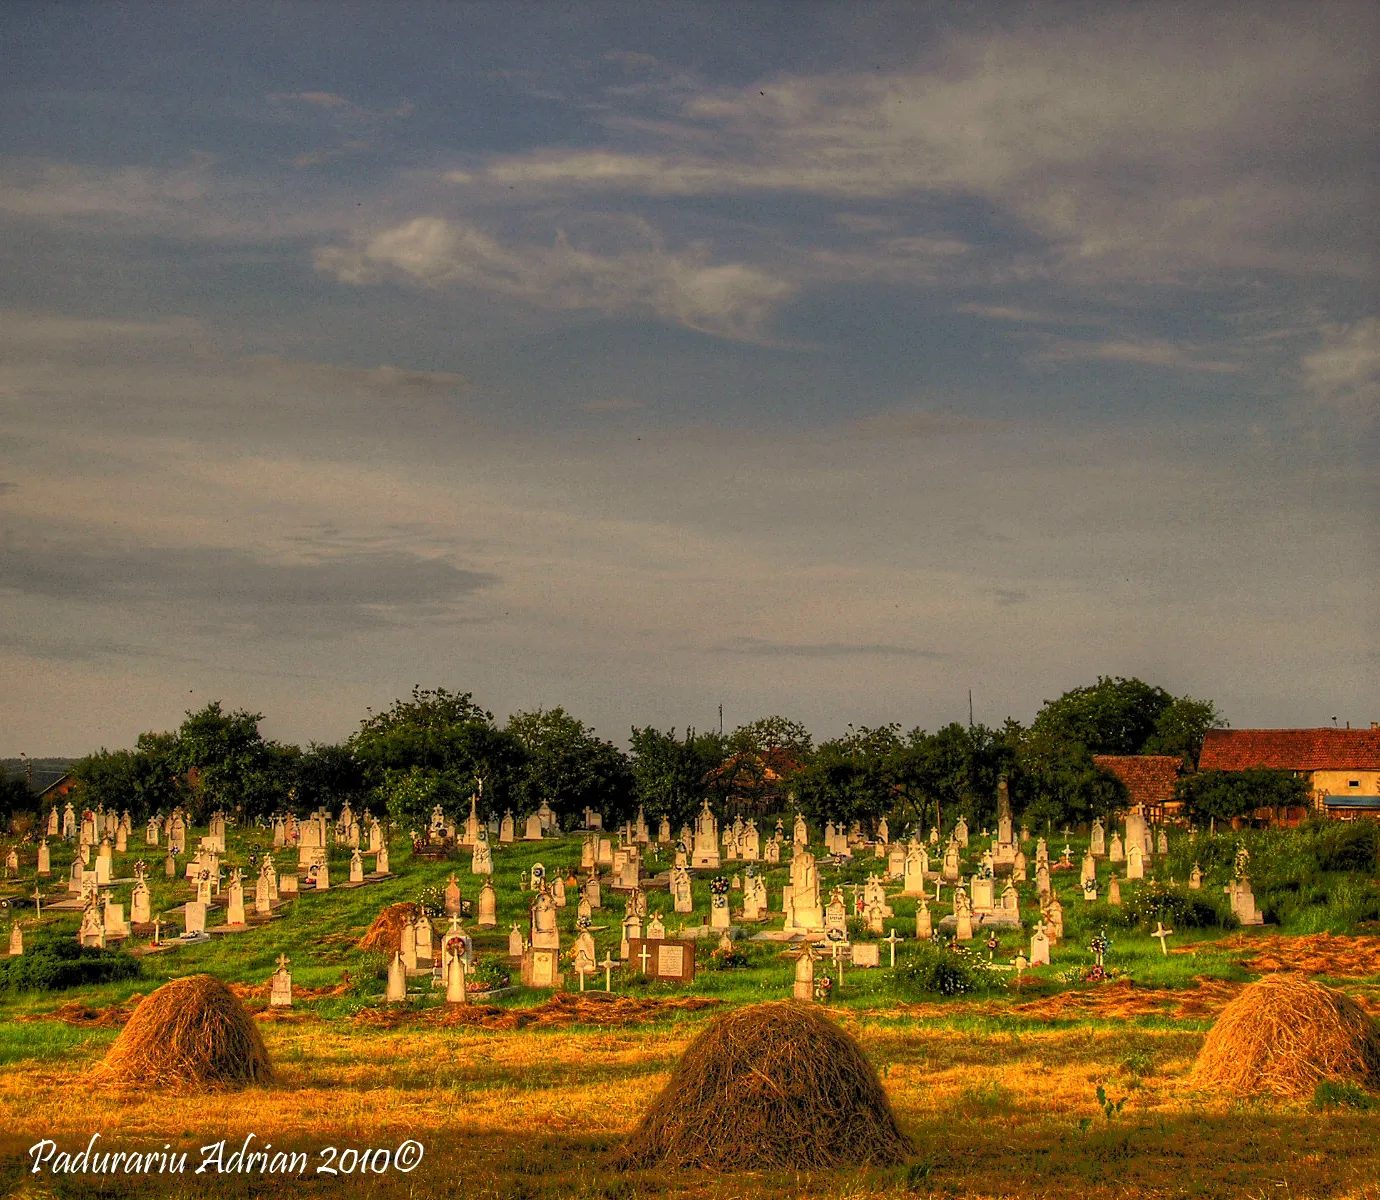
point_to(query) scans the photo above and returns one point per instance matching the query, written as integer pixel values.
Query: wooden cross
(891, 941)
(1161, 932)
(644, 957)
(608, 965)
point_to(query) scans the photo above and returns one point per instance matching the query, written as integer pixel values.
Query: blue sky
(819, 359)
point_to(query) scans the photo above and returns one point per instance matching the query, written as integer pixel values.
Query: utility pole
(721, 720)
(970, 708)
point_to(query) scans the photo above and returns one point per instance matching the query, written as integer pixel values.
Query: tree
(1113, 716)
(1226, 794)
(852, 778)
(669, 771)
(759, 765)
(229, 764)
(570, 767)
(144, 780)
(446, 734)
(15, 796)
(1180, 727)
(328, 775)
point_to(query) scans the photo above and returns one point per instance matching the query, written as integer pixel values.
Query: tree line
(437, 747)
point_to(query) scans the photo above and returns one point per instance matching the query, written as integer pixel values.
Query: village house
(1342, 766)
(1149, 780)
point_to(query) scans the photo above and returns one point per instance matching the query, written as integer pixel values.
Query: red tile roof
(1148, 777)
(1291, 749)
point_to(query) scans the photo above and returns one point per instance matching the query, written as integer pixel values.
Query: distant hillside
(45, 770)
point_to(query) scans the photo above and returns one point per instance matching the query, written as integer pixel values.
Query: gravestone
(488, 906)
(280, 989)
(1039, 947)
(1114, 891)
(866, 954)
(1115, 853)
(541, 967)
(670, 960)
(1135, 861)
(194, 917)
(924, 925)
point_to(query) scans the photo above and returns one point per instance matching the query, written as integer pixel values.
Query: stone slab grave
(670, 959)
(866, 954)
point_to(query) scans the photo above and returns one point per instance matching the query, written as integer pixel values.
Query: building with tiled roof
(1149, 778)
(1342, 765)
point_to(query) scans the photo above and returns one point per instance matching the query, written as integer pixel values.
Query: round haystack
(191, 1034)
(771, 1085)
(1283, 1035)
(385, 934)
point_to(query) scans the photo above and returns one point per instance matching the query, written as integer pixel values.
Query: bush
(57, 963)
(1348, 846)
(1334, 1093)
(488, 974)
(930, 970)
(1180, 908)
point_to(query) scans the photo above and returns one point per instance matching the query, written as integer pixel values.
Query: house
(1150, 780)
(56, 790)
(1342, 766)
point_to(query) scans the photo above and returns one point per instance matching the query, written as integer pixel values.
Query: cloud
(1136, 146)
(234, 590)
(612, 404)
(1150, 352)
(640, 277)
(770, 649)
(1343, 374)
(388, 381)
(917, 423)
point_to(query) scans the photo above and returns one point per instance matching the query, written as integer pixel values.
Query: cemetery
(631, 1010)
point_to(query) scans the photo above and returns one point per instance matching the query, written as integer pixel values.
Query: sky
(830, 360)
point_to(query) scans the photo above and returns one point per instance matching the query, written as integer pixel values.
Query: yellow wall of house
(1334, 783)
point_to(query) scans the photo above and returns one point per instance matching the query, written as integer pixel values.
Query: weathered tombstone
(488, 906)
(1115, 853)
(1114, 890)
(1162, 842)
(961, 832)
(455, 981)
(541, 967)
(865, 954)
(194, 917)
(426, 952)
(1039, 947)
(356, 866)
(1097, 841)
(280, 985)
(804, 988)
(45, 864)
(17, 936)
(397, 978)
(453, 898)
(1195, 877)
(705, 850)
(408, 945)
(924, 925)
(381, 859)
(680, 890)
(516, 942)
(1135, 861)
(545, 935)
(532, 831)
(718, 904)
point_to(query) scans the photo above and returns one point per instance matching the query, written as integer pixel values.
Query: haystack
(385, 934)
(1285, 1034)
(771, 1085)
(191, 1034)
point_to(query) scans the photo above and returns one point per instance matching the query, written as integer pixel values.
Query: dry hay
(111, 1017)
(191, 1034)
(1314, 954)
(770, 1085)
(1284, 1034)
(562, 1010)
(1111, 1001)
(385, 934)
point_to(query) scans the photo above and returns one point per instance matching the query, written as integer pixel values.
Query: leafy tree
(327, 776)
(760, 762)
(569, 766)
(228, 763)
(144, 780)
(1226, 794)
(1113, 716)
(669, 771)
(445, 733)
(852, 778)
(1180, 727)
(15, 796)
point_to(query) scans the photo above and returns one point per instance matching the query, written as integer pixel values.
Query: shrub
(488, 974)
(1348, 846)
(928, 969)
(1181, 908)
(56, 963)
(1333, 1093)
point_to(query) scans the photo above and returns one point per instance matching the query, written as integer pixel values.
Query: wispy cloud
(1343, 374)
(641, 276)
(1148, 352)
(760, 647)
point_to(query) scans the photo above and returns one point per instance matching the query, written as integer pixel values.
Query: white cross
(608, 965)
(38, 903)
(644, 957)
(1161, 932)
(891, 941)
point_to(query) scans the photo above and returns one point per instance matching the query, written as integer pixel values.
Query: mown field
(527, 1095)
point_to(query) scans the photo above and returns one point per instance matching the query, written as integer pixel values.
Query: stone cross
(38, 900)
(644, 957)
(608, 965)
(1161, 932)
(582, 969)
(1022, 965)
(891, 942)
